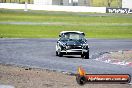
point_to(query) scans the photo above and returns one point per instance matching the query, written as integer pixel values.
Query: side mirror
(59, 35)
(83, 34)
(85, 39)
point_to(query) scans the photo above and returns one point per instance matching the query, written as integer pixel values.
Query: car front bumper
(74, 51)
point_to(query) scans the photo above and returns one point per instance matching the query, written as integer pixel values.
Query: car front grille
(74, 47)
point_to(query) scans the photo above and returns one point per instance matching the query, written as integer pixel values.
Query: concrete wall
(53, 7)
(127, 4)
(52, 2)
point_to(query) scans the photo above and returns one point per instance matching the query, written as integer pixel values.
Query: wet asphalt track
(40, 53)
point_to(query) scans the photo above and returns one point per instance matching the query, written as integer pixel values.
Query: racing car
(72, 43)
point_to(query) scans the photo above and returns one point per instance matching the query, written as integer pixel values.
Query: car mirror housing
(83, 34)
(85, 40)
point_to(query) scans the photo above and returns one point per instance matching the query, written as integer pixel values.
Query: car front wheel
(56, 53)
(86, 55)
(59, 53)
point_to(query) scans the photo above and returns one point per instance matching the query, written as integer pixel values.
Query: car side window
(64, 37)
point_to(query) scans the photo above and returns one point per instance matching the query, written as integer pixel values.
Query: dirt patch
(37, 78)
(125, 55)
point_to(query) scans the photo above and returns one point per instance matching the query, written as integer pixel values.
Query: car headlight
(85, 46)
(67, 47)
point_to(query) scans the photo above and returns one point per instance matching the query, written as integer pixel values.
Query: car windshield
(72, 36)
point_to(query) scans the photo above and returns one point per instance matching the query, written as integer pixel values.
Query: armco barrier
(119, 10)
(53, 7)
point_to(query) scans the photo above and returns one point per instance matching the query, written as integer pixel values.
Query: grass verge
(93, 24)
(52, 31)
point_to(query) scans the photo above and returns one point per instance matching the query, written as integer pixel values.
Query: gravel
(20, 77)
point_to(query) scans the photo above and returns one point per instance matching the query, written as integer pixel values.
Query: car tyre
(82, 55)
(86, 55)
(56, 53)
(59, 53)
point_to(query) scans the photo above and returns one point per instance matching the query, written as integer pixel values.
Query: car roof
(71, 32)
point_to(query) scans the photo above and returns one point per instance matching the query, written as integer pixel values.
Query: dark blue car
(72, 43)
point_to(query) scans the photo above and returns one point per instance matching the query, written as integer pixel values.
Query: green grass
(32, 31)
(104, 3)
(32, 16)
(100, 26)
